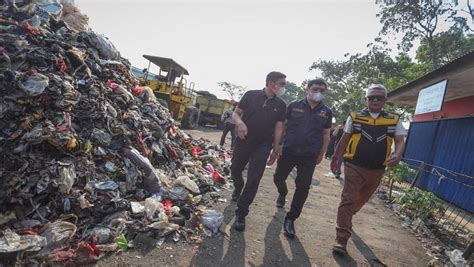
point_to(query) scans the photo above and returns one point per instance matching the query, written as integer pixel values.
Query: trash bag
(104, 46)
(34, 85)
(74, 19)
(12, 242)
(67, 177)
(103, 234)
(57, 234)
(212, 220)
(177, 193)
(188, 184)
(152, 205)
(152, 176)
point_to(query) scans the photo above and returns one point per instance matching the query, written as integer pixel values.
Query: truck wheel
(190, 118)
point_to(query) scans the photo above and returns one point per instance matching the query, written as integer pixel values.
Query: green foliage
(234, 91)
(293, 92)
(450, 45)
(417, 20)
(348, 78)
(400, 172)
(420, 204)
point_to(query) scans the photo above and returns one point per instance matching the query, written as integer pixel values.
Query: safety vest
(371, 141)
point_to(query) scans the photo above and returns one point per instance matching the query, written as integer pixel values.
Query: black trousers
(257, 158)
(305, 168)
(228, 127)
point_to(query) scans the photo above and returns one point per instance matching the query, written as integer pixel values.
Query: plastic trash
(73, 17)
(212, 220)
(110, 166)
(27, 224)
(177, 193)
(53, 9)
(67, 177)
(137, 207)
(12, 242)
(106, 186)
(34, 85)
(188, 184)
(122, 242)
(456, 258)
(103, 234)
(152, 205)
(5, 62)
(152, 179)
(105, 47)
(66, 205)
(57, 234)
(83, 202)
(101, 137)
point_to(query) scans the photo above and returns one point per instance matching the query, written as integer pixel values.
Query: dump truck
(211, 109)
(173, 90)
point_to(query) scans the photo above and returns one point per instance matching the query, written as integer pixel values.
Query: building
(441, 135)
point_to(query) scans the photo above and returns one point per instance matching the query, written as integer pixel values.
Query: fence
(448, 219)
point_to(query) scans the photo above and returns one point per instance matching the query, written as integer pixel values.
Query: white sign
(431, 98)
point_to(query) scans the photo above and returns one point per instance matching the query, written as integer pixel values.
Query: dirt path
(378, 235)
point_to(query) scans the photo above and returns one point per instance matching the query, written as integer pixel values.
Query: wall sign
(431, 98)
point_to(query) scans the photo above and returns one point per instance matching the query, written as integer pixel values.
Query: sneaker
(340, 245)
(280, 201)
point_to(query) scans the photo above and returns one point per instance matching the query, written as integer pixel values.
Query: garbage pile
(90, 162)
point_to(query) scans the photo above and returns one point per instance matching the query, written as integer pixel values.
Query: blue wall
(448, 144)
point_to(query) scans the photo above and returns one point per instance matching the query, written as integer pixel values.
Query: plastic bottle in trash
(5, 62)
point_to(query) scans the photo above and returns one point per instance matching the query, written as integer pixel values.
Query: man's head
(316, 90)
(276, 82)
(375, 97)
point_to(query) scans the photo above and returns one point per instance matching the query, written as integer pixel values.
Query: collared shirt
(399, 130)
(305, 125)
(260, 114)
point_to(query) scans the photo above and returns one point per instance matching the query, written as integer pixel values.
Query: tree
(293, 92)
(347, 79)
(419, 19)
(450, 45)
(234, 91)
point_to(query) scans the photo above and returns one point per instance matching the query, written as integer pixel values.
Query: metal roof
(460, 75)
(167, 64)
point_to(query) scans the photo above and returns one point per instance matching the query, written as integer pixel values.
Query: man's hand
(242, 130)
(334, 164)
(273, 157)
(319, 159)
(394, 160)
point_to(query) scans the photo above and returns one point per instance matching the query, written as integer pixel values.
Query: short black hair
(317, 81)
(274, 76)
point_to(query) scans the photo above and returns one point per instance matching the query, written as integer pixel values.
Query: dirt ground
(378, 235)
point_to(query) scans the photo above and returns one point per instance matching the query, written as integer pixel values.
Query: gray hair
(376, 86)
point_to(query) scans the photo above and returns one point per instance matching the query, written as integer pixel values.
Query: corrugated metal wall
(448, 144)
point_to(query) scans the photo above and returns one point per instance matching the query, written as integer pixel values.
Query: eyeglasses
(376, 98)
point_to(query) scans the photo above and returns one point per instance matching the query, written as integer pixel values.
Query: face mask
(316, 96)
(280, 91)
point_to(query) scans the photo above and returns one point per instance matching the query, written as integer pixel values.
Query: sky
(235, 41)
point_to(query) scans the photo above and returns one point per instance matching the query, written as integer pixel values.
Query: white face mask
(280, 91)
(316, 96)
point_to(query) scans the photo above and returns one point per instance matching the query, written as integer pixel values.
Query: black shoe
(239, 224)
(281, 201)
(289, 228)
